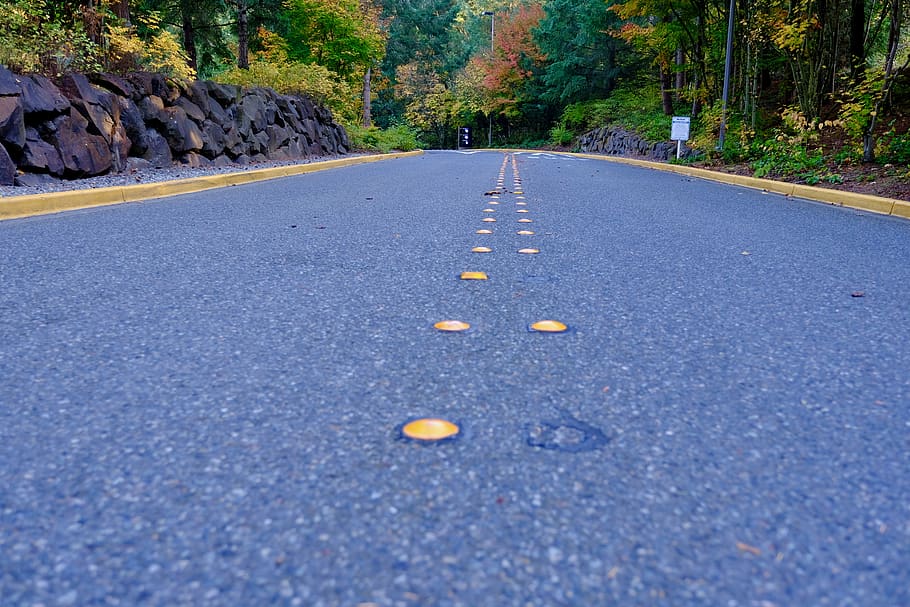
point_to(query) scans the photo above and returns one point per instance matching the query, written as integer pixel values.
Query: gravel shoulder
(151, 175)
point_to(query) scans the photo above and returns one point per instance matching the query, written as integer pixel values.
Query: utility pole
(492, 17)
(726, 93)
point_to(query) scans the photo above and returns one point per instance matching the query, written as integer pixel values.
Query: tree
(515, 61)
(338, 34)
(582, 58)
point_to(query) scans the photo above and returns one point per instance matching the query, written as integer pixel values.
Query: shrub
(398, 137)
(560, 135)
(162, 53)
(32, 42)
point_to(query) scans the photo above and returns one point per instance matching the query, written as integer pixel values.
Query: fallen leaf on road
(748, 548)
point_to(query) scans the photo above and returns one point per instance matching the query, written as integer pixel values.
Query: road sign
(680, 128)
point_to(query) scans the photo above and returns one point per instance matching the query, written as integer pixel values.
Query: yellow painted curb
(863, 202)
(15, 207)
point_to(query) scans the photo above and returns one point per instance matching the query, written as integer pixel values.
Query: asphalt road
(200, 397)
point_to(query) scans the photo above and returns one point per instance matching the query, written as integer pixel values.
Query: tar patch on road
(567, 434)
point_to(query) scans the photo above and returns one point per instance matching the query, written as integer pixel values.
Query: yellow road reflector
(430, 429)
(525, 221)
(525, 232)
(518, 193)
(452, 326)
(481, 250)
(548, 326)
(474, 276)
(529, 251)
(484, 232)
(489, 219)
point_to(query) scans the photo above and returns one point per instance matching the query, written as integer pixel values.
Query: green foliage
(895, 147)
(298, 79)
(632, 105)
(561, 135)
(337, 34)
(400, 137)
(162, 53)
(36, 40)
(584, 58)
(777, 157)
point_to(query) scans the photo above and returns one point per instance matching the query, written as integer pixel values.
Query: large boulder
(225, 94)
(158, 152)
(41, 97)
(251, 115)
(12, 122)
(214, 139)
(7, 168)
(83, 154)
(114, 84)
(136, 131)
(181, 133)
(193, 111)
(9, 82)
(39, 156)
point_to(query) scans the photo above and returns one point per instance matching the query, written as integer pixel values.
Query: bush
(399, 137)
(632, 105)
(31, 42)
(162, 53)
(292, 78)
(560, 135)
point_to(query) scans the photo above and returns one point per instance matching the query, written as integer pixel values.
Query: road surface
(201, 397)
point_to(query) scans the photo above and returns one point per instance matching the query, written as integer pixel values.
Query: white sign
(680, 129)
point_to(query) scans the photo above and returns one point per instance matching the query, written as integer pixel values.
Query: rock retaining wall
(97, 124)
(619, 142)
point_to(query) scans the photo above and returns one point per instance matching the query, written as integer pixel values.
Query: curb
(42, 204)
(863, 202)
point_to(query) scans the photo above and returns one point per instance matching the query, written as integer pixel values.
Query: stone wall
(98, 124)
(619, 142)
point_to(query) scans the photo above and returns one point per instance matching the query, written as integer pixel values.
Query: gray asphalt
(200, 396)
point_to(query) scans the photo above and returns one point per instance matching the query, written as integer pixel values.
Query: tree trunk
(666, 91)
(894, 37)
(189, 40)
(857, 38)
(367, 118)
(121, 9)
(680, 72)
(243, 35)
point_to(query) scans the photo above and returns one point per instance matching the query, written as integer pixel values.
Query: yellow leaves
(161, 53)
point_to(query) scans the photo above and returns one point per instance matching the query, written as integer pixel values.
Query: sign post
(679, 132)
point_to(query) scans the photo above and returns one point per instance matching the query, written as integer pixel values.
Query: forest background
(817, 90)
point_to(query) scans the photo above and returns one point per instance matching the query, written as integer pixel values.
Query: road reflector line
(489, 220)
(548, 326)
(525, 232)
(429, 430)
(484, 232)
(529, 251)
(525, 221)
(474, 276)
(481, 250)
(451, 326)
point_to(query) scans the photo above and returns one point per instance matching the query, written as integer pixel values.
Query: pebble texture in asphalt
(201, 397)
